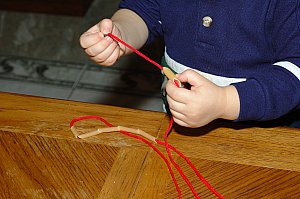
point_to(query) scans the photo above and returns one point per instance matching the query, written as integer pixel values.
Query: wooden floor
(63, 7)
(40, 157)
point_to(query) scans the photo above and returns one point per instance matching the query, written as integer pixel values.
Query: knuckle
(169, 88)
(192, 115)
(89, 52)
(107, 62)
(189, 71)
(106, 20)
(110, 61)
(175, 95)
(103, 64)
(170, 101)
(98, 59)
(82, 41)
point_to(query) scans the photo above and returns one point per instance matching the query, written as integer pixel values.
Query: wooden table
(40, 157)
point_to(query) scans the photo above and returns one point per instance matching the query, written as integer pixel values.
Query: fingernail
(108, 38)
(105, 31)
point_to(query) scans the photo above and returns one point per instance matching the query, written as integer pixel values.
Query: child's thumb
(192, 77)
(106, 26)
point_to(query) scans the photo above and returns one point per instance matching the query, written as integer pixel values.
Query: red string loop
(168, 147)
(138, 138)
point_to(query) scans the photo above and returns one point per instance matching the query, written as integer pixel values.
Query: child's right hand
(102, 49)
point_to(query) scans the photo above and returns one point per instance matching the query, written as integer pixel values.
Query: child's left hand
(203, 103)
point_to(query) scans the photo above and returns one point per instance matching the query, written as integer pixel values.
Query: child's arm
(124, 24)
(203, 103)
(271, 90)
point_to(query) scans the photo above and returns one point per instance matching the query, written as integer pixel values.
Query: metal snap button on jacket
(207, 21)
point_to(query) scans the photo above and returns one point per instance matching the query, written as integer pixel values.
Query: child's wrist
(231, 106)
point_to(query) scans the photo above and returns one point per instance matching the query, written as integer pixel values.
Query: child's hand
(202, 104)
(102, 50)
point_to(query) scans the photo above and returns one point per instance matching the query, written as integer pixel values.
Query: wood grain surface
(40, 157)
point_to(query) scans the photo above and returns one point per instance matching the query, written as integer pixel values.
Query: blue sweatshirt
(257, 40)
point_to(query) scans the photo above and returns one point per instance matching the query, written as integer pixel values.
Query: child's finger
(109, 50)
(104, 55)
(178, 115)
(176, 106)
(106, 26)
(89, 39)
(178, 94)
(93, 29)
(99, 47)
(192, 77)
(112, 58)
(180, 122)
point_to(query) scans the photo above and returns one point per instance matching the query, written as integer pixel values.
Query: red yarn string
(168, 147)
(161, 155)
(165, 143)
(90, 117)
(195, 170)
(179, 169)
(139, 138)
(135, 50)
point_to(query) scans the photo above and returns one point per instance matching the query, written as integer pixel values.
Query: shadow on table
(291, 120)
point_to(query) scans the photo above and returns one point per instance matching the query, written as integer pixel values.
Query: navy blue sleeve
(149, 11)
(275, 89)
